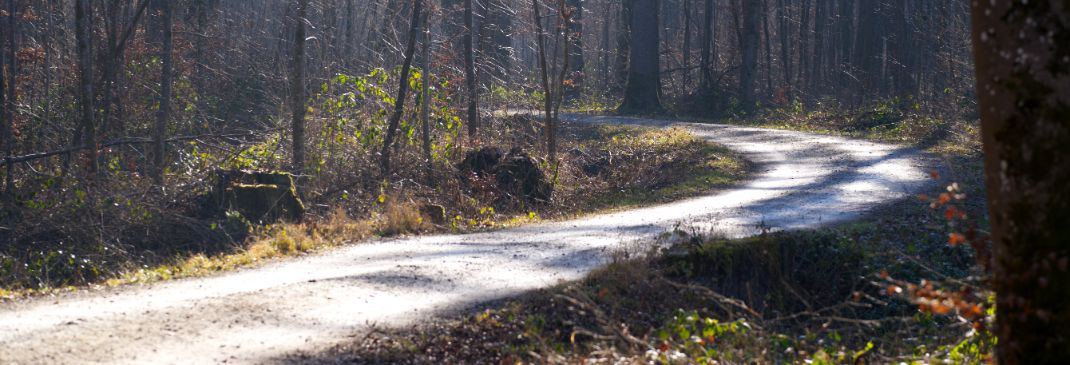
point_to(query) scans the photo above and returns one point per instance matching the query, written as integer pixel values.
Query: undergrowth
(136, 234)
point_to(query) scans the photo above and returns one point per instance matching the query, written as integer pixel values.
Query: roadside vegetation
(605, 168)
(904, 284)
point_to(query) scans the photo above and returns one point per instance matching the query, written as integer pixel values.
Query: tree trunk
(785, 48)
(642, 94)
(403, 88)
(7, 127)
(624, 37)
(687, 44)
(540, 39)
(708, 42)
(425, 105)
(749, 54)
(1024, 101)
(297, 92)
(200, 45)
(159, 134)
(767, 41)
(470, 71)
(83, 33)
(575, 60)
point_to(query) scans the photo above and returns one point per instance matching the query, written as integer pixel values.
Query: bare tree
(425, 105)
(159, 134)
(83, 32)
(470, 71)
(297, 92)
(403, 89)
(548, 98)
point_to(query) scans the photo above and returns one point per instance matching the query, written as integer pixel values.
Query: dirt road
(258, 315)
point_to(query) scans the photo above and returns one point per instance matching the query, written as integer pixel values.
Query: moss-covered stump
(260, 196)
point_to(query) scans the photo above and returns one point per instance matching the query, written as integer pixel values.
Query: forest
(534, 181)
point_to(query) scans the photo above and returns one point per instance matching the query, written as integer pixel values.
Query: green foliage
(698, 339)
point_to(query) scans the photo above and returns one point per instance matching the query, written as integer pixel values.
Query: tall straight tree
(544, 71)
(297, 92)
(425, 97)
(403, 89)
(709, 44)
(642, 94)
(83, 11)
(1022, 53)
(159, 133)
(749, 53)
(470, 70)
(7, 139)
(575, 35)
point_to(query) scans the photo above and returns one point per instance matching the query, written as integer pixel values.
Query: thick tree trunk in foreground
(403, 89)
(297, 98)
(159, 134)
(642, 94)
(1023, 84)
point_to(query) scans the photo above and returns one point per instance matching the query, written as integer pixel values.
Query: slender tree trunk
(83, 33)
(297, 92)
(785, 48)
(574, 33)
(403, 88)
(767, 41)
(642, 95)
(159, 134)
(624, 42)
(687, 44)
(470, 71)
(200, 45)
(425, 106)
(564, 23)
(804, 45)
(7, 128)
(1025, 105)
(540, 34)
(817, 67)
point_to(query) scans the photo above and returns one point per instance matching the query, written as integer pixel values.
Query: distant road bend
(259, 315)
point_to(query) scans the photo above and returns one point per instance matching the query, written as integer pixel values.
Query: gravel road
(258, 315)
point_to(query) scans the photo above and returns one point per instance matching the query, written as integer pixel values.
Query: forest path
(259, 315)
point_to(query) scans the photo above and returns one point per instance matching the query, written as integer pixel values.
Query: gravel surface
(260, 315)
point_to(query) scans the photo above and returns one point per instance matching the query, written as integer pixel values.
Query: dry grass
(272, 242)
(400, 218)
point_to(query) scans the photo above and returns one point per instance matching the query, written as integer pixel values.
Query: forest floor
(310, 308)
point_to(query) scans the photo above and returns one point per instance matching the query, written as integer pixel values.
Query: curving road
(258, 315)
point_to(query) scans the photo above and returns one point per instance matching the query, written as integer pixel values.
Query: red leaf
(951, 213)
(956, 239)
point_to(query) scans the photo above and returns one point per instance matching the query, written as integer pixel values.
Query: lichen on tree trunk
(1022, 52)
